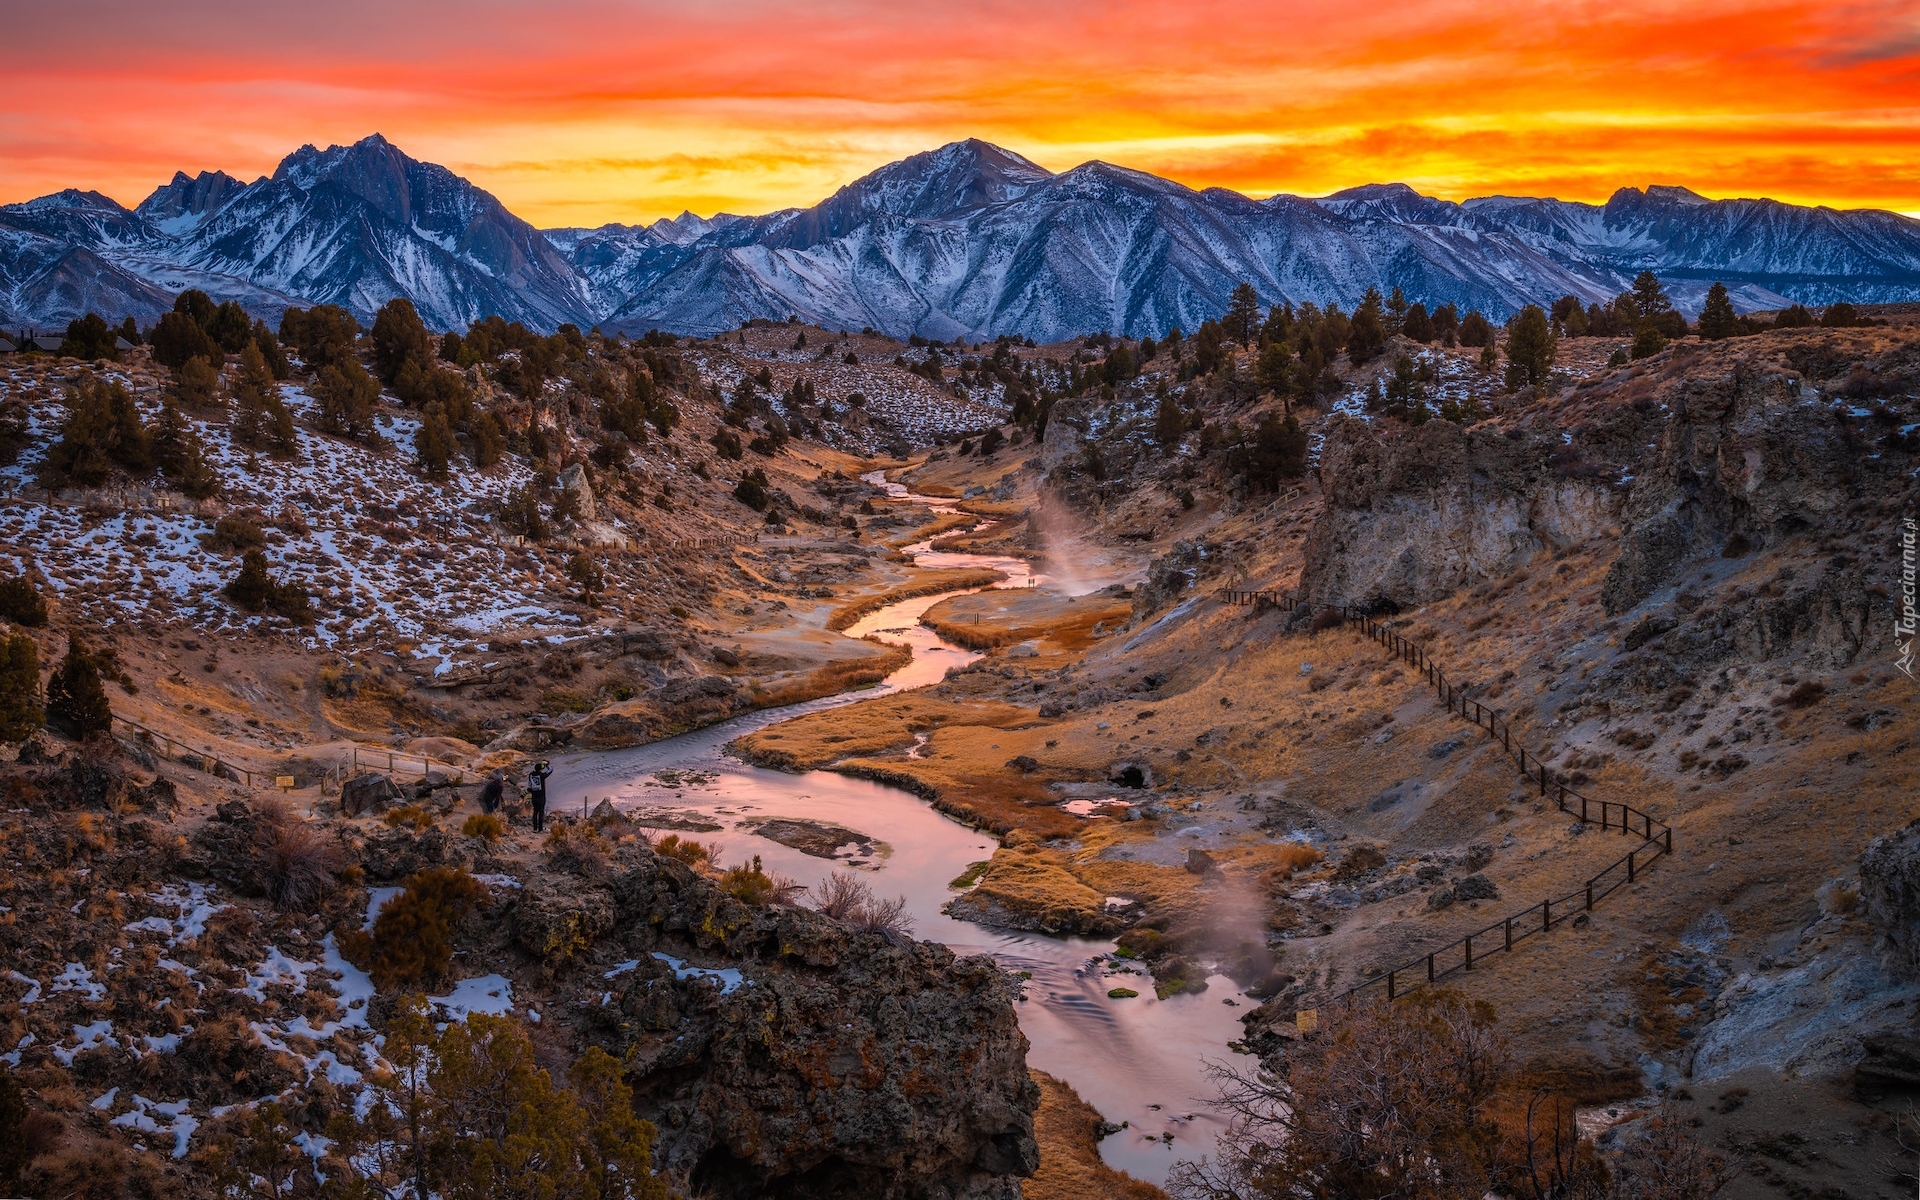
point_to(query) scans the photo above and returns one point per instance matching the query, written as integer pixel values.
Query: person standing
(537, 792)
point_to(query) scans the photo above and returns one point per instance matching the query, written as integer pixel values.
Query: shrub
(413, 936)
(686, 850)
(752, 490)
(749, 884)
(1326, 618)
(299, 864)
(410, 816)
(1806, 695)
(255, 590)
(846, 897)
(485, 826)
(21, 602)
(234, 533)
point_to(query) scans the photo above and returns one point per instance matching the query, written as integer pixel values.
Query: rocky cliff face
(1419, 515)
(1749, 453)
(1890, 896)
(783, 1055)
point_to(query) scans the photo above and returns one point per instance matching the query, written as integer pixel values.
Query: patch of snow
(33, 987)
(729, 978)
(77, 978)
(377, 899)
(146, 1115)
(490, 994)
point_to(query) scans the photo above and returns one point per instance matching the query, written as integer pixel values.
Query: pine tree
(102, 430)
(1275, 372)
(196, 384)
(490, 441)
(20, 711)
(178, 337)
(89, 337)
(1169, 421)
(1530, 348)
(1475, 329)
(1648, 340)
(1648, 296)
(1279, 451)
(181, 454)
(1368, 333)
(260, 417)
(76, 701)
(347, 396)
(1243, 314)
(1417, 325)
(1395, 318)
(400, 337)
(1717, 318)
(434, 444)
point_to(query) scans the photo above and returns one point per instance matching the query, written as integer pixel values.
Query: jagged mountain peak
(177, 206)
(66, 200)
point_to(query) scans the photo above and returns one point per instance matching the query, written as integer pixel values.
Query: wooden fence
(329, 779)
(1655, 838)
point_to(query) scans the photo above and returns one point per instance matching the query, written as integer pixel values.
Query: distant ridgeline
(965, 241)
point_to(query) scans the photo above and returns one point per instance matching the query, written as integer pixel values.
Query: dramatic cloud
(583, 111)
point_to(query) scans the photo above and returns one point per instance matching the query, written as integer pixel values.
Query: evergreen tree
(1395, 318)
(89, 337)
(1417, 325)
(1275, 372)
(1840, 315)
(271, 351)
(1717, 318)
(400, 337)
(1169, 422)
(76, 701)
(434, 444)
(181, 455)
(1446, 324)
(1649, 298)
(1648, 340)
(489, 441)
(196, 384)
(179, 336)
(1368, 333)
(102, 430)
(261, 418)
(325, 334)
(196, 306)
(1119, 366)
(1243, 314)
(20, 711)
(1530, 348)
(230, 327)
(1475, 329)
(1794, 316)
(130, 331)
(1279, 451)
(347, 395)
(1280, 324)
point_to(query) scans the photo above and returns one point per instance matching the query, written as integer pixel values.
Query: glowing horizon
(591, 111)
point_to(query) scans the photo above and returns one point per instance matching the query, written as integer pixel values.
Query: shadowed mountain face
(965, 240)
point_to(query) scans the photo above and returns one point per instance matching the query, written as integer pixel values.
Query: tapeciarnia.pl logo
(1909, 620)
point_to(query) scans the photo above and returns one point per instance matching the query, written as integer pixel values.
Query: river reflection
(1137, 1060)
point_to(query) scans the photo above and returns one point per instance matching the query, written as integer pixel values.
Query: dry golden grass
(927, 584)
(841, 675)
(867, 728)
(1070, 1164)
(1004, 616)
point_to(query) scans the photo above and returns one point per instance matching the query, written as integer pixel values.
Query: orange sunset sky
(578, 113)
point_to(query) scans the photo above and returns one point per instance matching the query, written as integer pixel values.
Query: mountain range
(966, 240)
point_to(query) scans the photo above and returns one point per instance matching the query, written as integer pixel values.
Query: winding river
(1139, 1061)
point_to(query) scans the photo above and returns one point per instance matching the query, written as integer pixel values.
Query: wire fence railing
(1655, 837)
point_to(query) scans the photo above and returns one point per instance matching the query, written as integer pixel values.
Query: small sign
(283, 782)
(1307, 1020)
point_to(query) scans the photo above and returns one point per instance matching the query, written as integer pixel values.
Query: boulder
(574, 479)
(1891, 1064)
(1475, 887)
(1199, 862)
(367, 792)
(611, 730)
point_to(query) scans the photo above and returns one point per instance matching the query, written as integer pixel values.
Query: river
(1139, 1060)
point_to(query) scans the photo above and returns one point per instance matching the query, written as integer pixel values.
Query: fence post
(1630, 855)
(1429, 968)
(1589, 895)
(1546, 915)
(1390, 985)
(1469, 943)
(1669, 839)
(1509, 933)
(1543, 779)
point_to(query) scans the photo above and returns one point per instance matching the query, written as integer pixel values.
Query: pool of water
(1139, 1060)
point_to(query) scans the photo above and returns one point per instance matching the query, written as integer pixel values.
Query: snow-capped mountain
(966, 240)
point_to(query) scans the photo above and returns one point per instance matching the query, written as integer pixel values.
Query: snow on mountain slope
(967, 240)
